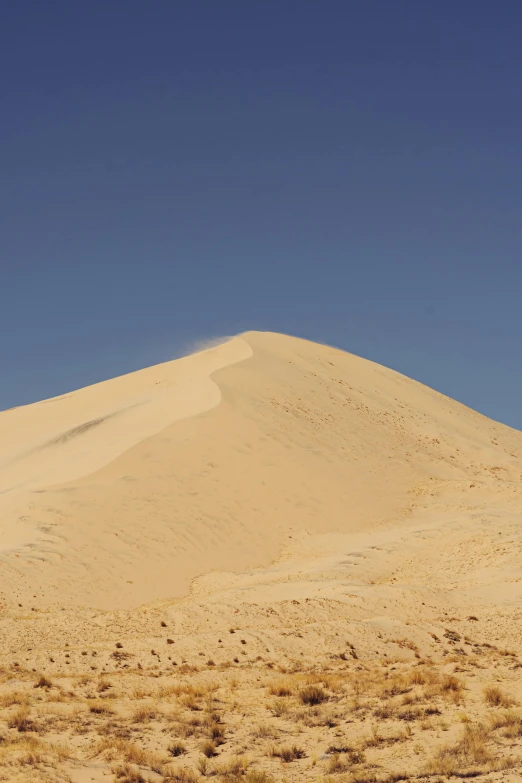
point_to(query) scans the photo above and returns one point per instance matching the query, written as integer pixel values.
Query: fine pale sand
(335, 515)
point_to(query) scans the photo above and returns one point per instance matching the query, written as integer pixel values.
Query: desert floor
(268, 561)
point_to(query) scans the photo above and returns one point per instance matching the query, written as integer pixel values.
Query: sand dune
(287, 489)
(123, 492)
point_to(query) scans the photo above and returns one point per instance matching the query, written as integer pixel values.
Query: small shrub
(128, 774)
(177, 748)
(208, 748)
(312, 695)
(495, 697)
(280, 689)
(385, 711)
(217, 733)
(265, 731)
(20, 719)
(354, 756)
(279, 708)
(99, 707)
(338, 764)
(144, 713)
(43, 682)
(449, 683)
(453, 636)
(235, 767)
(15, 697)
(289, 753)
(180, 775)
(410, 715)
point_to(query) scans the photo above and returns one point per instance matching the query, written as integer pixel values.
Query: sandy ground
(266, 510)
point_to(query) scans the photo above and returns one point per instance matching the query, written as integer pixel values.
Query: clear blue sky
(347, 171)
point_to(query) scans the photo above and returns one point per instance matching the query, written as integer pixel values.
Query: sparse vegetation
(196, 724)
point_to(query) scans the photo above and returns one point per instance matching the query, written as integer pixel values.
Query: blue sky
(348, 171)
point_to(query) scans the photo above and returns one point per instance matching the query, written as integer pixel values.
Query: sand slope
(124, 492)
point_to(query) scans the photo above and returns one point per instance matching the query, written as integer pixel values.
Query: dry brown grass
(43, 682)
(281, 689)
(288, 753)
(279, 708)
(209, 749)
(99, 707)
(115, 749)
(258, 776)
(312, 695)
(11, 698)
(126, 774)
(510, 721)
(495, 697)
(174, 774)
(177, 748)
(469, 756)
(20, 719)
(339, 763)
(144, 713)
(265, 731)
(234, 768)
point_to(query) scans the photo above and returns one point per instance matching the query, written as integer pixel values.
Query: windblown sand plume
(268, 561)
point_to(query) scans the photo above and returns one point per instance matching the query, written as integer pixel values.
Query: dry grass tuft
(265, 731)
(144, 713)
(180, 775)
(12, 698)
(495, 697)
(281, 689)
(177, 748)
(208, 748)
(99, 707)
(234, 768)
(43, 682)
(128, 774)
(385, 711)
(114, 748)
(288, 753)
(257, 776)
(279, 708)
(20, 720)
(312, 695)
(468, 753)
(338, 764)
